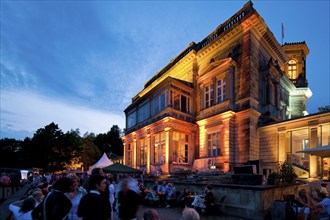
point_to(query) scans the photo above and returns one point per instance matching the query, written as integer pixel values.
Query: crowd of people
(101, 196)
(97, 196)
(319, 204)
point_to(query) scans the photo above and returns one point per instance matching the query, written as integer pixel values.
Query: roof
(321, 151)
(103, 161)
(120, 168)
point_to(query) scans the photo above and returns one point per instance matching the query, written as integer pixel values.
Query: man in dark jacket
(129, 202)
(93, 205)
(56, 205)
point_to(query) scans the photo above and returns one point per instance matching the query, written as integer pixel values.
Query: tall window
(131, 119)
(221, 90)
(129, 155)
(141, 159)
(208, 96)
(292, 69)
(144, 112)
(159, 102)
(213, 144)
(180, 147)
(304, 146)
(159, 148)
(180, 102)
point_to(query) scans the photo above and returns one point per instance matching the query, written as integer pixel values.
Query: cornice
(302, 91)
(299, 46)
(301, 122)
(287, 83)
(256, 21)
(214, 67)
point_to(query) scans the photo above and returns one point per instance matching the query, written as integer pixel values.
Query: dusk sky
(79, 63)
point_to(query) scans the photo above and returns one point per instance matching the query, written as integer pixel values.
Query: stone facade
(209, 102)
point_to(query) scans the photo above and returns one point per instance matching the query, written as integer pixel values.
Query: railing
(7, 191)
(168, 112)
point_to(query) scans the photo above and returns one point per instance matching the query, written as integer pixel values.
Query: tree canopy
(51, 149)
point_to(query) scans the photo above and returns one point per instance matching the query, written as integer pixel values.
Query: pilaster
(313, 172)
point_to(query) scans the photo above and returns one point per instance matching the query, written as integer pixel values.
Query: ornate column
(149, 145)
(168, 137)
(281, 144)
(134, 153)
(125, 152)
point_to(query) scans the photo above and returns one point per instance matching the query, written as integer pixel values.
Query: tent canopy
(322, 151)
(120, 168)
(103, 162)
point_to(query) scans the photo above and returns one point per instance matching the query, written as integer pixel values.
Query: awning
(120, 168)
(322, 151)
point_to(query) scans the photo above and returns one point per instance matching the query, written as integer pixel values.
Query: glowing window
(129, 155)
(180, 102)
(213, 144)
(159, 148)
(141, 159)
(292, 69)
(180, 147)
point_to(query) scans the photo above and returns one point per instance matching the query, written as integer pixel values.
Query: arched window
(292, 69)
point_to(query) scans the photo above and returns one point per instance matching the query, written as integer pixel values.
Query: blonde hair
(73, 176)
(190, 214)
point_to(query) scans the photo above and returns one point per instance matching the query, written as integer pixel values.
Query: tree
(50, 149)
(324, 108)
(111, 141)
(10, 152)
(90, 153)
(116, 142)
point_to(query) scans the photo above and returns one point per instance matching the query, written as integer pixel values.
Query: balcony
(168, 112)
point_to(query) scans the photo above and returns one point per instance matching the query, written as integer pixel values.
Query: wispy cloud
(26, 111)
(91, 57)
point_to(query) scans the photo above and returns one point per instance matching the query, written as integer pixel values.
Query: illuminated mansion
(237, 97)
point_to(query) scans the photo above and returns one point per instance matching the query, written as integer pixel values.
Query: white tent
(103, 162)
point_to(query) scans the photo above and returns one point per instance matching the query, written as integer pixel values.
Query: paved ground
(175, 214)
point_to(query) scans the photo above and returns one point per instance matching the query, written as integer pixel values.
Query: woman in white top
(111, 192)
(22, 210)
(75, 196)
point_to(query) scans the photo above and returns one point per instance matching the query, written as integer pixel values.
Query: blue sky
(79, 63)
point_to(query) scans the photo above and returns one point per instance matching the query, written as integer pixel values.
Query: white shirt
(19, 215)
(96, 192)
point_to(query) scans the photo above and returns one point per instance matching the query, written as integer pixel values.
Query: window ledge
(178, 163)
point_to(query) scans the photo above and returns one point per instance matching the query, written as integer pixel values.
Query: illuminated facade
(210, 107)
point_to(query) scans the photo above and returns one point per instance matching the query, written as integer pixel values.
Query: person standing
(94, 205)
(56, 205)
(128, 202)
(5, 179)
(75, 196)
(111, 193)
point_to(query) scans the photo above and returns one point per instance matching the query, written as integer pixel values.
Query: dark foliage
(50, 149)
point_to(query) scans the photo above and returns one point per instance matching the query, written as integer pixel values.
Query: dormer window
(292, 69)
